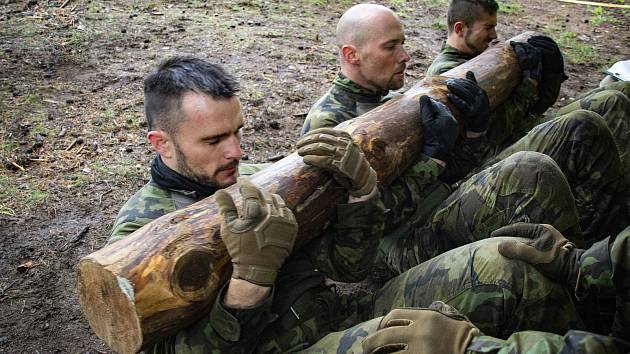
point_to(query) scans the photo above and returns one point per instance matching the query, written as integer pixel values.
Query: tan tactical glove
(436, 330)
(260, 238)
(335, 151)
(547, 250)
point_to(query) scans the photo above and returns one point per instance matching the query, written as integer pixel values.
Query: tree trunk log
(166, 275)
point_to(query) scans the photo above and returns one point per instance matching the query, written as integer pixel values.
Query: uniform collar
(348, 85)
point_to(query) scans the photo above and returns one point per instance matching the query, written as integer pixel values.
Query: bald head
(357, 25)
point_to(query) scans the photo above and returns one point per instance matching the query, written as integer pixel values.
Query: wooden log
(166, 275)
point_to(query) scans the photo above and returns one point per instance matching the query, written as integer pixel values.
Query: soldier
(591, 275)
(194, 119)
(471, 28)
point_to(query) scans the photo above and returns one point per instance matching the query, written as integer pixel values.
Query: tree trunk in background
(166, 275)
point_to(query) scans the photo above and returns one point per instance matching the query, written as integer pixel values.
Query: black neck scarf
(166, 178)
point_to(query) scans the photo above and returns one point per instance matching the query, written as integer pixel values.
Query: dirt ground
(72, 132)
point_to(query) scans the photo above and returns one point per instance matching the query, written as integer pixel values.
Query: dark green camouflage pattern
(504, 298)
(447, 59)
(585, 150)
(151, 202)
(613, 104)
(343, 101)
(527, 186)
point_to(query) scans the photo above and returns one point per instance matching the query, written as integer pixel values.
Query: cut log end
(108, 304)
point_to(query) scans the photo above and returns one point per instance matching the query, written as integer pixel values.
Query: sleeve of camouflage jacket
(511, 120)
(410, 196)
(346, 251)
(466, 156)
(532, 342)
(223, 330)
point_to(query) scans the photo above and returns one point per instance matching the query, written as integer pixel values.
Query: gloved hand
(547, 250)
(553, 72)
(334, 150)
(261, 237)
(440, 129)
(439, 329)
(472, 102)
(529, 59)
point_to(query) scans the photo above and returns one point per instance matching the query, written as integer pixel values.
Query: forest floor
(72, 129)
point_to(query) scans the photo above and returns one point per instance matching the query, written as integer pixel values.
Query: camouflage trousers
(506, 299)
(582, 145)
(497, 294)
(526, 186)
(612, 102)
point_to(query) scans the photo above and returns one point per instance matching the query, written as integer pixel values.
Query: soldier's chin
(225, 179)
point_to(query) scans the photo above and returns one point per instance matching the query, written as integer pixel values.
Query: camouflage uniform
(511, 120)
(301, 309)
(343, 101)
(605, 268)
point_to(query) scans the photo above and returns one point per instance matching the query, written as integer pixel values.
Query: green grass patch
(601, 16)
(577, 52)
(510, 8)
(439, 24)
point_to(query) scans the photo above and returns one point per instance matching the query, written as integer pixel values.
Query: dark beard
(185, 170)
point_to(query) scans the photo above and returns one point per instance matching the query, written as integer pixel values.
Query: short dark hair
(163, 89)
(467, 11)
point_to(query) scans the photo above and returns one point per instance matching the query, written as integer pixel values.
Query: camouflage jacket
(344, 253)
(510, 120)
(344, 100)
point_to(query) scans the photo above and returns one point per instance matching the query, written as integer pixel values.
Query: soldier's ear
(162, 143)
(458, 28)
(350, 54)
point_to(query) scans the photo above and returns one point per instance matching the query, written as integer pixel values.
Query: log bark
(166, 275)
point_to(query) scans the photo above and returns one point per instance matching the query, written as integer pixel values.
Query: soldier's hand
(440, 129)
(552, 72)
(472, 102)
(260, 237)
(529, 59)
(335, 151)
(439, 329)
(546, 249)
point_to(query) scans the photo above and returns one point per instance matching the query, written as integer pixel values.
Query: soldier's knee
(529, 160)
(586, 126)
(610, 99)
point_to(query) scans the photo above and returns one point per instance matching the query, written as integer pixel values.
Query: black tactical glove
(261, 237)
(529, 59)
(472, 102)
(335, 151)
(440, 329)
(440, 129)
(547, 250)
(553, 72)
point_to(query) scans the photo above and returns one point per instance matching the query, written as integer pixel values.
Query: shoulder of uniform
(147, 204)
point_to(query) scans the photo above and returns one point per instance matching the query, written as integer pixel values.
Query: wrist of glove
(544, 247)
(335, 151)
(415, 330)
(259, 237)
(529, 59)
(440, 129)
(471, 101)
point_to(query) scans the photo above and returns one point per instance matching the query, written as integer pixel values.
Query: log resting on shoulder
(166, 275)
